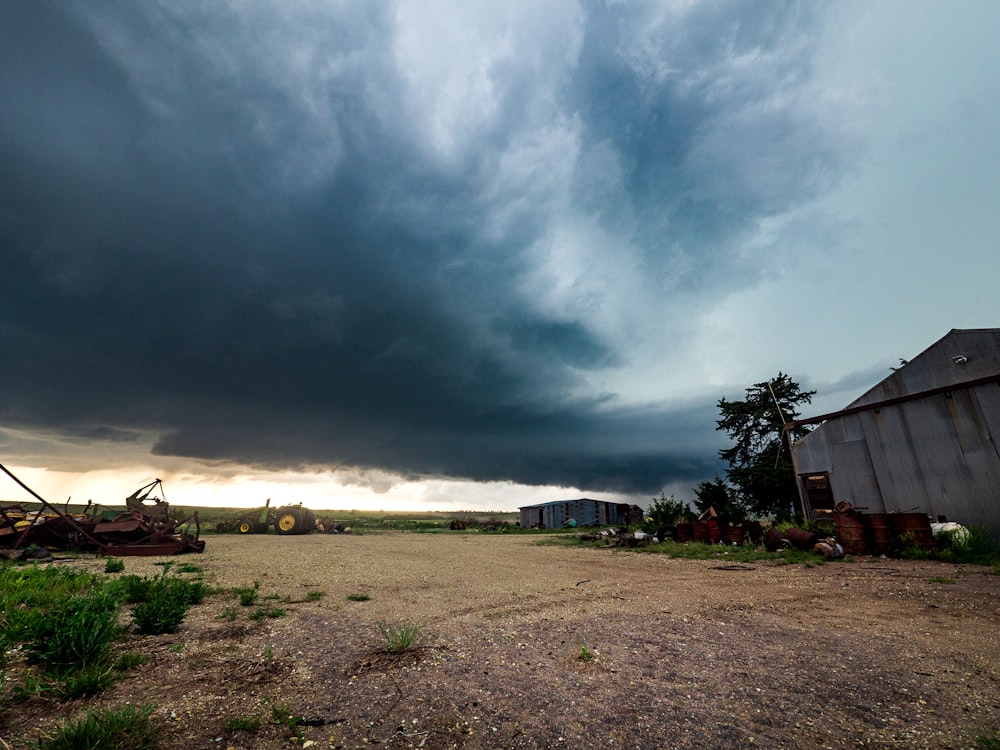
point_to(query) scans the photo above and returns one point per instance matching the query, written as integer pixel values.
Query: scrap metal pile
(146, 527)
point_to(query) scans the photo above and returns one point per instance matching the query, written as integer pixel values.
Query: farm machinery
(146, 527)
(287, 520)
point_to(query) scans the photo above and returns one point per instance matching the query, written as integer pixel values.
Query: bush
(114, 565)
(668, 510)
(975, 547)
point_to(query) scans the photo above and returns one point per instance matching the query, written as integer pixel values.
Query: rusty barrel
(774, 540)
(714, 535)
(879, 533)
(700, 532)
(684, 532)
(851, 532)
(801, 538)
(733, 534)
(912, 530)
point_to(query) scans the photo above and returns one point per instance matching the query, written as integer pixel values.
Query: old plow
(146, 527)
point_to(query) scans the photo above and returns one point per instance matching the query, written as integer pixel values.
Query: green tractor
(294, 519)
(289, 519)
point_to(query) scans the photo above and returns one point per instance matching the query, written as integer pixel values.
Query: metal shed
(584, 511)
(925, 439)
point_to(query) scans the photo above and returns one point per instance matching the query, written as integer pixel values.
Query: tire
(294, 520)
(245, 527)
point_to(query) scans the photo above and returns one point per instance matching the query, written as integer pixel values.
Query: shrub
(114, 565)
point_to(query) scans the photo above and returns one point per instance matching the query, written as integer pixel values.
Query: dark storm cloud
(239, 228)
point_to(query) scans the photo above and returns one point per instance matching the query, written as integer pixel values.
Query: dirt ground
(686, 654)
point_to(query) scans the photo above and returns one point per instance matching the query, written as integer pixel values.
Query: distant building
(585, 512)
(926, 439)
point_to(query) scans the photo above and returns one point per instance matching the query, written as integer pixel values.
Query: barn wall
(937, 455)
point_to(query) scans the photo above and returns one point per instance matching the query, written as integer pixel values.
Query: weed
(941, 579)
(189, 568)
(281, 713)
(315, 596)
(269, 652)
(114, 565)
(84, 682)
(167, 606)
(586, 654)
(260, 613)
(128, 661)
(242, 724)
(229, 614)
(399, 638)
(133, 589)
(358, 597)
(75, 635)
(127, 728)
(988, 741)
(248, 597)
(177, 647)
(30, 686)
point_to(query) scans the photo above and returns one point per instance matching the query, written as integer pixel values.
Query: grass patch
(229, 614)
(399, 638)
(128, 661)
(282, 714)
(988, 741)
(127, 728)
(67, 624)
(586, 654)
(243, 724)
(114, 565)
(358, 597)
(941, 579)
(315, 596)
(261, 612)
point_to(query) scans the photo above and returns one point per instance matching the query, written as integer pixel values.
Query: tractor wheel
(245, 527)
(294, 520)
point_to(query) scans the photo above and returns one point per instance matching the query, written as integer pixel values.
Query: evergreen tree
(760, 464)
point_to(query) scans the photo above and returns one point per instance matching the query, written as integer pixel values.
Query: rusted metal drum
(879, 533)
(714, 535)
(700, 532)
(851, 532)
(801, 538)
(912, 530)
(774, 540)
(733, 534)
(684, 532)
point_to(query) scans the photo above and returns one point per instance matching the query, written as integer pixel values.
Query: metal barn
(585, 512)
(926, 439)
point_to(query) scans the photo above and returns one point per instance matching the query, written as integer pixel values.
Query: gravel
(685, 653)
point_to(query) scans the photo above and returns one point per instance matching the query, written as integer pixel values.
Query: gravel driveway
(683, 653)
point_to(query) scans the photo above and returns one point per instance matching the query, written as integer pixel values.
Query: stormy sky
(392, 246)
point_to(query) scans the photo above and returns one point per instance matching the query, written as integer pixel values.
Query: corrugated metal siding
(934, 368)
(938, 455)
